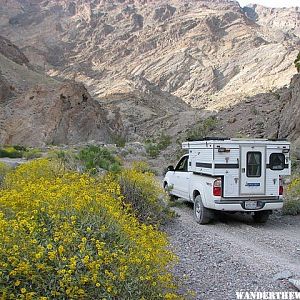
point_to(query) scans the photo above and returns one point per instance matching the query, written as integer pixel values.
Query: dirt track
(234, 254)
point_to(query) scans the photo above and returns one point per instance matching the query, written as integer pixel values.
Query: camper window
(277, 161)
(253, 164)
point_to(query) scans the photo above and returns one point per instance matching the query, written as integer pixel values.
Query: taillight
(217, 187)
(280, 186)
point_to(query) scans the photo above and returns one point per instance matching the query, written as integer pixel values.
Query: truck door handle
(243, 170)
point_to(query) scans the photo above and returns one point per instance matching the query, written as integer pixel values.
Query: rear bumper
(239, 204)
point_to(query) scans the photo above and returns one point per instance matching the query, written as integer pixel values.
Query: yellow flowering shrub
(69, 236)
(292, 198)
(4, 169)
(144, 195)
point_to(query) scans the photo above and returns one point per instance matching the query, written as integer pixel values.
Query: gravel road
(234, 254)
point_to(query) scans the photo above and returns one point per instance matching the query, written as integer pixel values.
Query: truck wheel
(261, 216)
(172, 197)
(202, 214)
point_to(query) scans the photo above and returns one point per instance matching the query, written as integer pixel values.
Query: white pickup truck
(233, 175)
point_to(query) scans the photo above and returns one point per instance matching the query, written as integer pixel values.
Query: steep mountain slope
(289, 120)
(36, 109)
(209, 53)
(267, 115)
(276, 19)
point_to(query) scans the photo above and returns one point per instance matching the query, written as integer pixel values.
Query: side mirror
(170, 168)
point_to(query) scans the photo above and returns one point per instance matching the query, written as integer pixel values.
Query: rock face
(62, 115)
(278, 19)
(290, 113)
(210, 54)
(5, 91)
(36, 110)
(10, 51)
(147, 110)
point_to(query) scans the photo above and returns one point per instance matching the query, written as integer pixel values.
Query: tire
(172, 197)
(261, 216)
(202, 214)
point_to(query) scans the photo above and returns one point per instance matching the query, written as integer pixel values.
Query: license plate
(251, 205)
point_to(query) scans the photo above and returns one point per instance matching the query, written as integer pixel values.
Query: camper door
(252, 170)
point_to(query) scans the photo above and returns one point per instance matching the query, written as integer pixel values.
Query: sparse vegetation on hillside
(66, 235)
(202, 129)
(156, 145)
(119, 140)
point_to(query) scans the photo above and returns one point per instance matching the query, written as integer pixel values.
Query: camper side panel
(201, 161)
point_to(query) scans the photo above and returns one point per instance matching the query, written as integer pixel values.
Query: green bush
(20, 148)
(119, 140)
(32, 153)
(17, 151)
(152, 149)
(154, 146)
(202, 129)
(94, 158)
(292, 198)
(11, 152)
(163, 141)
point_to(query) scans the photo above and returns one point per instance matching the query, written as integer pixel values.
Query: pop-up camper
(231, 175)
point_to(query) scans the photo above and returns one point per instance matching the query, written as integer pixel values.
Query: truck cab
(231, 175)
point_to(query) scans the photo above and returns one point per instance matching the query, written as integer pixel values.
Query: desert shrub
(20, 148)
(4, 169)
(94, 158)
(156, 145)
(202, 129)
(143, 167)
(292, 198)
(144, 196)
(69, 236)
(297, 63)
(32, 153)
(295, 164)
(11, 152)
(66, 160)
(254, 110)
(119, 140)
(163, 141)
(152, 149)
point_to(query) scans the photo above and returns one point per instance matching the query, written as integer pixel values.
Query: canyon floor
(234, 254)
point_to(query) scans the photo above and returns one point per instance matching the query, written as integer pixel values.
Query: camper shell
(247, 167)
(234, 175)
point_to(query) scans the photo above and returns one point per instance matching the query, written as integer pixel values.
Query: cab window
(277, 161)
(182, 165)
